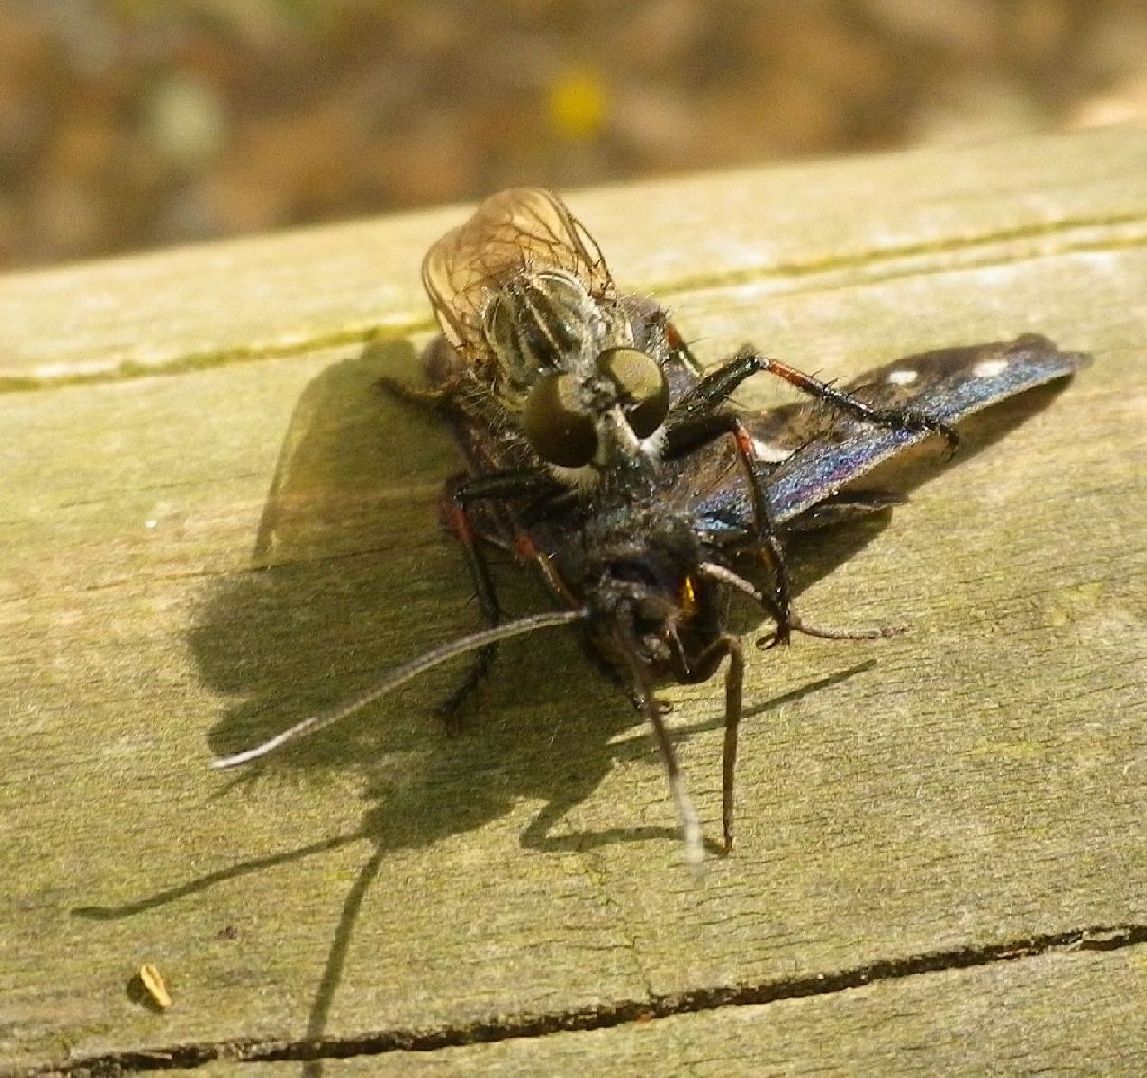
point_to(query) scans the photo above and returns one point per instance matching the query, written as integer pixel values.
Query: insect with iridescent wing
(600, 454)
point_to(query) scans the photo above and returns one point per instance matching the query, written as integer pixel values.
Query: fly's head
(586, 395)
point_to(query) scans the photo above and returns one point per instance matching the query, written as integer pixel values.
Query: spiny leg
(642, 695)
(432, 399)
(716, 388)
(734, 680)
(717, 571)
(767, 544)
(446, 397)
(462, 396)
(460, 522)
(461, 525)
(697, 418)
(525, 548)
(695, 429)
(701, 668)
(686, 813)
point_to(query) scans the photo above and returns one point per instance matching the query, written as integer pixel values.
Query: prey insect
(602, 456)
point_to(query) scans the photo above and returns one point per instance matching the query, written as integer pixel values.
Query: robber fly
(601, 455)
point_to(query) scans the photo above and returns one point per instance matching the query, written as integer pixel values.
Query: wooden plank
(775, 231)
(1004, 1019)
(977, 781)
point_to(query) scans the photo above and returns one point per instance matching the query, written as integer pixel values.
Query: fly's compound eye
(560, 432)
(641, 386)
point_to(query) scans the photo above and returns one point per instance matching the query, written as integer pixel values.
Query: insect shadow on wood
(349, 570)
(601, 456)
(341, 553)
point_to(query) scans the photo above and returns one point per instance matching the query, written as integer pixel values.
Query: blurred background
(128, 124)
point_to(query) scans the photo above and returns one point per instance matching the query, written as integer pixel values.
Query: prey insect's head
(648, 577)
(656, 612)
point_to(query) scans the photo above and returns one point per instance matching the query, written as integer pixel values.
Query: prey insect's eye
(687, 596)
(641, 384)
(556, 427)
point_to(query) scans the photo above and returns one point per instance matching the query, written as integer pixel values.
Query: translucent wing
(524, 228)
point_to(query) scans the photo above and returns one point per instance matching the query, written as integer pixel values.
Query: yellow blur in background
(139, 123)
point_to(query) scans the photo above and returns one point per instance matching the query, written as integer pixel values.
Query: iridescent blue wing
(820, 454)
(948, 385)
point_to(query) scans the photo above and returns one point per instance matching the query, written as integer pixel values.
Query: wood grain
(1007, 1019)
(191, 562)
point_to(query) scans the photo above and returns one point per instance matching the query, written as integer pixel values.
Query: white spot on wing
(990, 368)
(902, 376)
(768, 453)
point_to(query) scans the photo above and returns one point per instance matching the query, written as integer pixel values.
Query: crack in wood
(607, 1016)
(1071, 235)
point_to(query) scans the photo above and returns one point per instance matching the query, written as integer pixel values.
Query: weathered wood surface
(1005, 1018)
(193, 561)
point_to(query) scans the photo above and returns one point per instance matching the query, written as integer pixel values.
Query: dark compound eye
(559, 431)
(563, 433)
(641, 385)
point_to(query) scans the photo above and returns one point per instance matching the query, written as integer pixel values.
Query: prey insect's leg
(767, 543)
(722, 573)
(734, 678)
(695, 429)
(828, 632)
(715, 388)
(460, 522)
(686, 813)
(701, 669)
(524, 547)
(642, 695)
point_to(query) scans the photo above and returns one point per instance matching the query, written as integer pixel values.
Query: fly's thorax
(543, 320)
